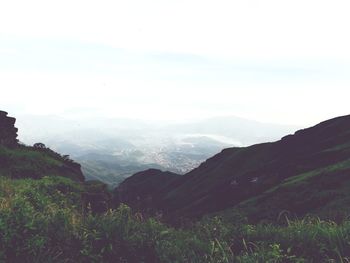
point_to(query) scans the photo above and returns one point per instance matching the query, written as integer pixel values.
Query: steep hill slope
(238, 174)
(49, 214)
(141, 189)
(29, 162)
(20, 161)
(324, 192)
(39, 165)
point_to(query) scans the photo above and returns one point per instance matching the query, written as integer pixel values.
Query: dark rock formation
(8, 131)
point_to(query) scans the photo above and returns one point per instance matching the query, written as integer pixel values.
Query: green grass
(42, 221)
(345, 146)
(323, 192)
(27, 153)
(45, 215)
(305, 176)
(27, 162)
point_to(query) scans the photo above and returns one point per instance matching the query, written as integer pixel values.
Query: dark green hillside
(48, 213)
(38, 162)
(323, 192)
(238, 174)
(141, 189)
(19, 161)
(29, 162)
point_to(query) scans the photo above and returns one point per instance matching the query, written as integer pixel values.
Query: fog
(271, 61)
(168, 84)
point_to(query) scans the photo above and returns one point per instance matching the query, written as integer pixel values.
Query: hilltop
(302, 173)
(20, 161)
(49, 213)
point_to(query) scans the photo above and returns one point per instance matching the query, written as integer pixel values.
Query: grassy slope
(141, 189)
(324, 192)
(211, 187)
(42, 220)
(28, 162)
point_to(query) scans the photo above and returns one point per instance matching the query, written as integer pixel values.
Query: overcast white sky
(274, 61)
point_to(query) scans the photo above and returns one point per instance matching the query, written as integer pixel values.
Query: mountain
(112, 149)
(49, 213)
(308, 171)
(110, 169)
(19, 161)
(41, 164)
(144, 186)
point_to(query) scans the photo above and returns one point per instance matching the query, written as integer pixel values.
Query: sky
(274, 61)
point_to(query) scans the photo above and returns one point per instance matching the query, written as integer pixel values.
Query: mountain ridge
(237, 174)
(128, 146)
(49, 214)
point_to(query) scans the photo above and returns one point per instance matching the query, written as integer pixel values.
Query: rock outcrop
(8, 131)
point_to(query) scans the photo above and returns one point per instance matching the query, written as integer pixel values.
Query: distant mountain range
(308, 172)
(111, 150)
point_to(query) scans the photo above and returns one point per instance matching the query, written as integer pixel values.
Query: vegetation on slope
(49, 214)
(323, 192)
(30, 162)
(42, 221)
(238, 174)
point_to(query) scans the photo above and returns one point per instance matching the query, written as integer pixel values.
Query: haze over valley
(112, 149)
(171, 131)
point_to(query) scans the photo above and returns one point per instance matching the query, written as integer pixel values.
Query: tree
(39, 145)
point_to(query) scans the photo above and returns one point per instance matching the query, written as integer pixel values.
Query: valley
(111, 150)
(282, 201)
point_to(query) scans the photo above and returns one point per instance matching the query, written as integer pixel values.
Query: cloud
(252, 28)
(267, 60)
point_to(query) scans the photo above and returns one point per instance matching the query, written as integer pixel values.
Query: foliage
(42, 221)
(48, 214)
(35, 162)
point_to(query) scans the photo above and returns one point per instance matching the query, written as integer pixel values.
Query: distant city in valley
(111, 150)
(175, 131)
